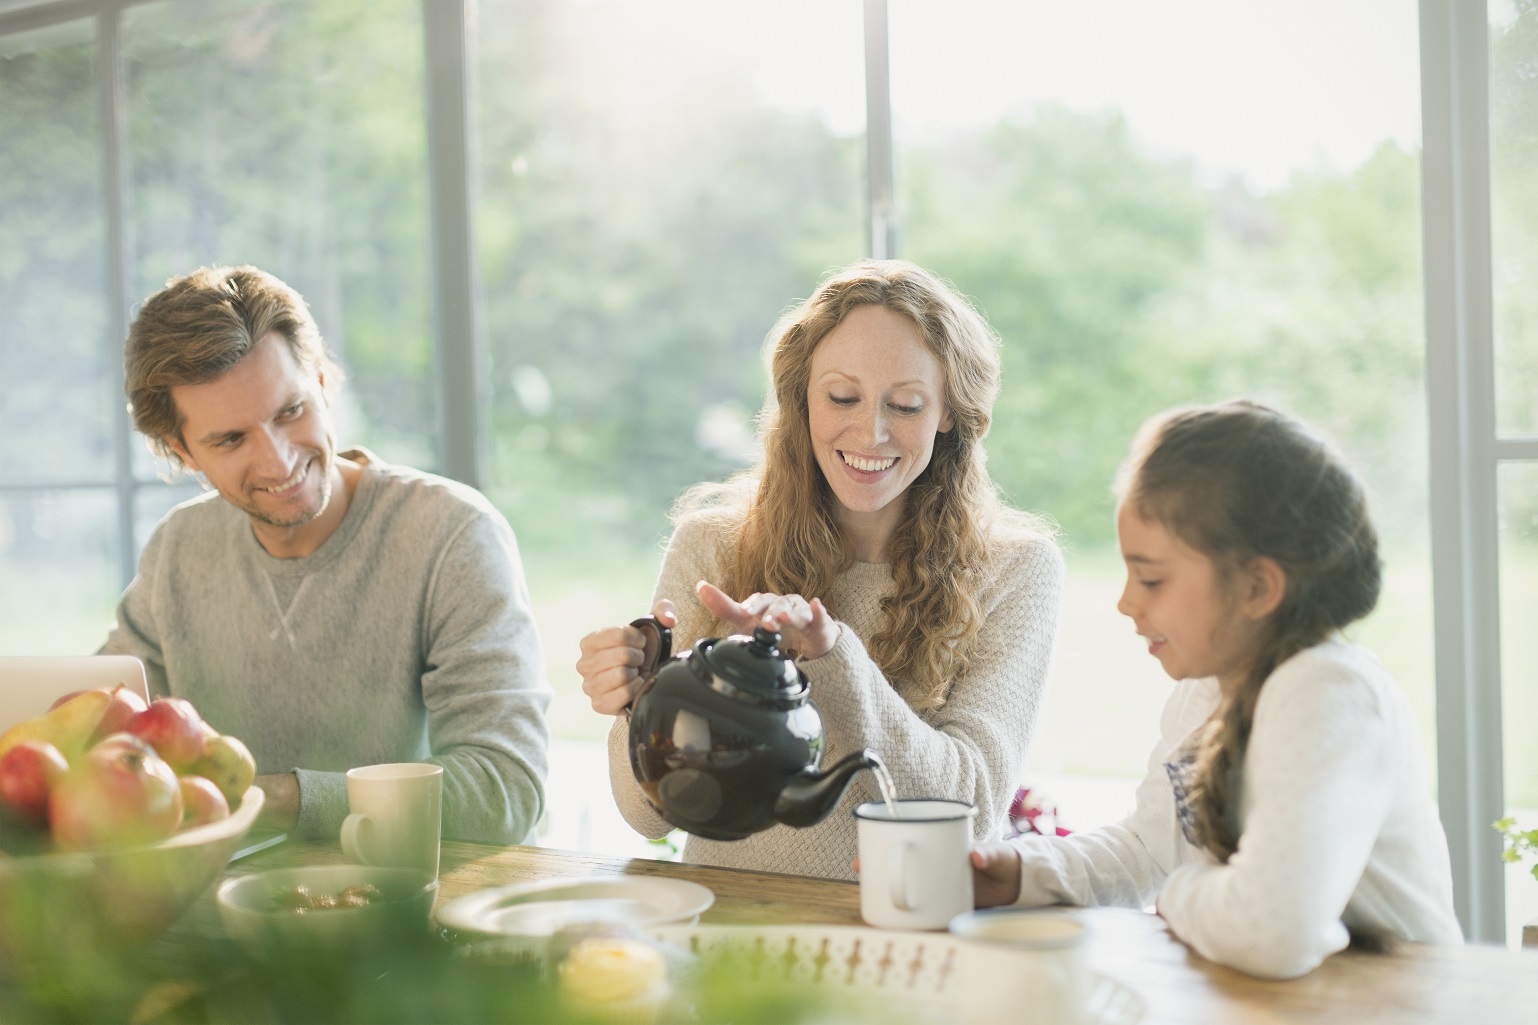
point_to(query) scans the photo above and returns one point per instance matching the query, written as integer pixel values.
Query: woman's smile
(868, 466)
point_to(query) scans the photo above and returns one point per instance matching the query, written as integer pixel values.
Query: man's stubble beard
(322, 500)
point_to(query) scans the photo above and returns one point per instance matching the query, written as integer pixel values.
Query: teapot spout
(809, 796)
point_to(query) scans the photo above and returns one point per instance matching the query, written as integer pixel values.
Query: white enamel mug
(914, 872)
(1022, 964)
(396, 815)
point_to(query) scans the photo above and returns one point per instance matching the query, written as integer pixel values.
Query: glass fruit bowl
(79, 904)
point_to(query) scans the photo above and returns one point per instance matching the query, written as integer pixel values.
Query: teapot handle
(658, 646)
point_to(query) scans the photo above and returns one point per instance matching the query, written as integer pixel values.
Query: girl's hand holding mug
(611, 660)
(995, 874)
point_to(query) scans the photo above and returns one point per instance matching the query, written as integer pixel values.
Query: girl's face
(1197, 623)
(875, 400)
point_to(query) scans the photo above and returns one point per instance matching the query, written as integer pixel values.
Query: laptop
(30, 683)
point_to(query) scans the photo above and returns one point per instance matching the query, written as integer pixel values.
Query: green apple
(228, 764)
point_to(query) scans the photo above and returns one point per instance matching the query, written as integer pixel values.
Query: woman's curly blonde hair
(784, 535)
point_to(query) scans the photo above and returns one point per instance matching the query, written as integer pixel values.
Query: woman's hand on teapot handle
(804, 626)
(611, 659)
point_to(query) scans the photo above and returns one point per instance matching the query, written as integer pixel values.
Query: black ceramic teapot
(725, 740)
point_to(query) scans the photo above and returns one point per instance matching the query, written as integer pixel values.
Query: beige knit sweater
(971, 748)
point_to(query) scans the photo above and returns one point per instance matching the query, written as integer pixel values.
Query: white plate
(545, 907)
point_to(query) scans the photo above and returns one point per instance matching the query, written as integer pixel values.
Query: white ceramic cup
(1022, 965)
(914, 872)
(396, 815)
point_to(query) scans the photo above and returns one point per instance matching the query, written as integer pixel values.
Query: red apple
(119, 793)
(229, 764)
(28, 773)
(125, 704)
(173, 728)
(201, 801)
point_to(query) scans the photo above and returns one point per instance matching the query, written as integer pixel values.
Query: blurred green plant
(425, 978)
(670, 847)
(1520, 843)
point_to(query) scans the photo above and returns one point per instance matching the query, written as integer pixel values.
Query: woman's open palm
(804, 626)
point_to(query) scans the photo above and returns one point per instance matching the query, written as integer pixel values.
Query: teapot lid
(754, 668)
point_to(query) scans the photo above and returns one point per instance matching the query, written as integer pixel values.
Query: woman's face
(876, 400)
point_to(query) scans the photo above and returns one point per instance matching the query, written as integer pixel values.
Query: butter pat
(623, 977)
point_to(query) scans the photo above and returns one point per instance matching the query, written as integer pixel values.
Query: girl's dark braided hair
(1238, 481)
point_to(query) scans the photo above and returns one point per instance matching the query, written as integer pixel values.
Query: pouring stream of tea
(884, 783)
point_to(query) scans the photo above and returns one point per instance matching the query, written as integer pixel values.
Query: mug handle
(657, 648)
(352, 839)
(901, 893)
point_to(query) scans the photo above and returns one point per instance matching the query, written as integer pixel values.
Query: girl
(1284, 804)
(921, 607)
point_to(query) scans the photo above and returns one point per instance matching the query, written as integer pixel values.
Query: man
(327, 609)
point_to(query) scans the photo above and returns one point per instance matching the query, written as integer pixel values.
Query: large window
(58, 549)
(291, 135)
(1514, 238)
(288, 135)
(659, 181)
(1153, 204)
(1168, 213)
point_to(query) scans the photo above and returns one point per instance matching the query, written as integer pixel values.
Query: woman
(921, 608)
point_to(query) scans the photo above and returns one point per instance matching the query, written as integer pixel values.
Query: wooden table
(1468, 985)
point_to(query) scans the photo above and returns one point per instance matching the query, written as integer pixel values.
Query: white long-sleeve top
(971, 748)
(1338, 827)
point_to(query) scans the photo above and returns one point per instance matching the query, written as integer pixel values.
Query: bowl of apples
(116, 813)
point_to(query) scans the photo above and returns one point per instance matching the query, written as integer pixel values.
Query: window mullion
(1463, 452)
(112, 83)
(880, 190)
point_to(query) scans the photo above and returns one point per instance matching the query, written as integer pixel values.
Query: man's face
(262, 435)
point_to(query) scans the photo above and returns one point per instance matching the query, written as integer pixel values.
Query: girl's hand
(610, 662)
(995, 874)
(804, 626)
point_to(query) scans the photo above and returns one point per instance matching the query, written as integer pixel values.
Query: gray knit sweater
(971, 748)
(407, 636)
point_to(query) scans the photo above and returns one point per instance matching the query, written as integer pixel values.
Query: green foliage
(1067, 238)
(669, 847)
(634, 256)
(636, 264)
(1311, 299)
(1519, 843)
(420, 979)
(54, 362)
(1121, 285)
(1514, 216)
(291, 135)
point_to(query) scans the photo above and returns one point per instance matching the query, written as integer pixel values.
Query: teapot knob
(766, 642)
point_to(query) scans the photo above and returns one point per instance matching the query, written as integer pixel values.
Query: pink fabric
(1032, 813)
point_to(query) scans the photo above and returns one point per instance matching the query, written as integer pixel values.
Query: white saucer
(545, 907)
